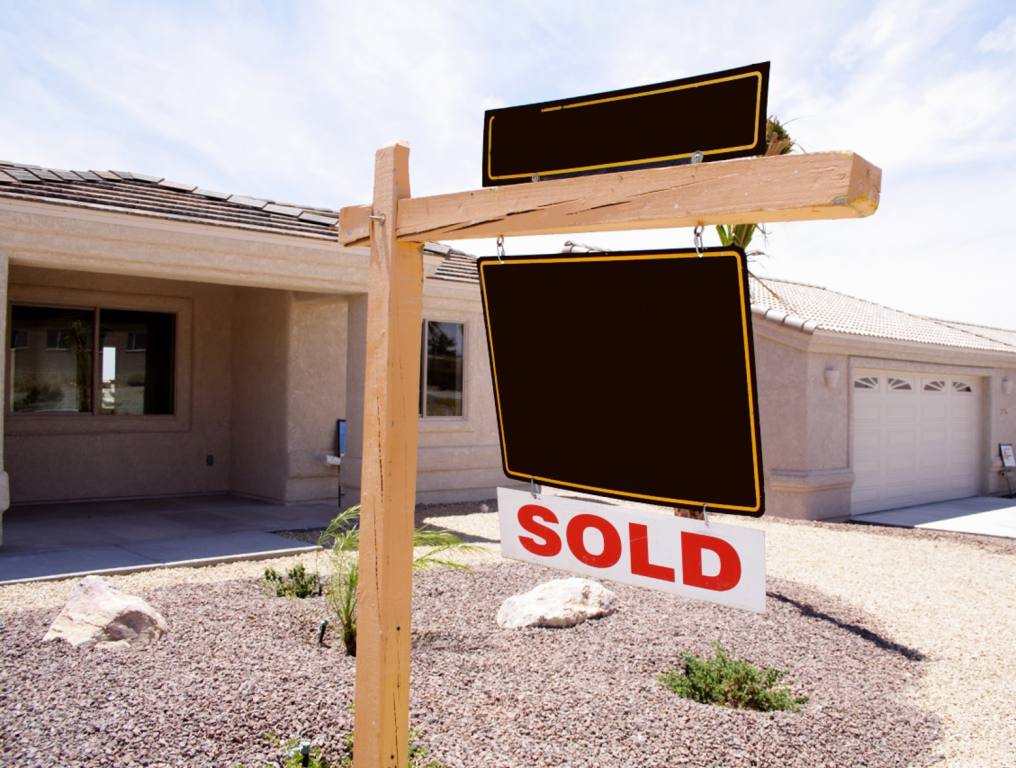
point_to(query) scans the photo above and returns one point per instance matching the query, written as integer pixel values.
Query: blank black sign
(721, 114)
(627, 374)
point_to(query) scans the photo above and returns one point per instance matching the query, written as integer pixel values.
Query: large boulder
(557, 603)
(97, 615)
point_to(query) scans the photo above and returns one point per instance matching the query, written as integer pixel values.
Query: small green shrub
(300, 754)
(417, 755)
(297, 582)
(343, 538)
(732, 682)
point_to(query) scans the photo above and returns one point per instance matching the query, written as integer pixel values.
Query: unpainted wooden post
(388, 485)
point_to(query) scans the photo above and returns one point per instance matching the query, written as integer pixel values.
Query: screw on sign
(719, 563)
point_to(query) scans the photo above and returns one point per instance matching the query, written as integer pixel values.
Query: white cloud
(290, 101)
(1002, 39)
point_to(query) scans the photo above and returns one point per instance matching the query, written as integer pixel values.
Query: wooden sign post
(833, 185)
(390, 422)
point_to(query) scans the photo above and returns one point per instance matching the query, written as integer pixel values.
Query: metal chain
(500, 248)
(698, 240)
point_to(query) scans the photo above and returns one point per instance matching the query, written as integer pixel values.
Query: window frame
(93, 422)
(422, 400)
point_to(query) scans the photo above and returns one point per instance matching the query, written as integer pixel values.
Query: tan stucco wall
(289, 382)
(459, 457)
(53, 457)
(260, 342)
(317, 393)
(5, 495)
(804, 426)
(1001, 425)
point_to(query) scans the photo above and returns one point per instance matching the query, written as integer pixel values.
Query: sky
(290, 100)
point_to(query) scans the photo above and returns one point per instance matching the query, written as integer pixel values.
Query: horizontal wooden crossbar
(797, 187)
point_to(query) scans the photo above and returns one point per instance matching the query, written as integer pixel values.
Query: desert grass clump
(342, 538)
(296, 582)
(732, 682)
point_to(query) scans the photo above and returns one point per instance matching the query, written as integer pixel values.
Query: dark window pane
(51, 360)
(136, 362)
(444, 369)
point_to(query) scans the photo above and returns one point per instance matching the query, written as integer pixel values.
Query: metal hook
(698, 239)
(500, 248)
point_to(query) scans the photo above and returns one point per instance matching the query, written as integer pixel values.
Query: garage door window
(899, 385)
(961, 386)
(934, 386)
(866, 382)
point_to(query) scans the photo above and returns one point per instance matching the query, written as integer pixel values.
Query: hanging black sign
(627, 374)
(722, 115)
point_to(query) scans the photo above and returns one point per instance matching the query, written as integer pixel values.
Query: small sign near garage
(721, 115)
(627, 374)
(719, 563)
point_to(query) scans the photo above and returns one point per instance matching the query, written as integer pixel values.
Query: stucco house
(168, 340)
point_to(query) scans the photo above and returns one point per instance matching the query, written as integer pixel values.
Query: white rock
(99, 615)
(557, 603)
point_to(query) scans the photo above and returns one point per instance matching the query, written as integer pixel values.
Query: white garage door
(916, 438)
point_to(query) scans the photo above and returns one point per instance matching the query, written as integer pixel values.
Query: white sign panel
(720, 563)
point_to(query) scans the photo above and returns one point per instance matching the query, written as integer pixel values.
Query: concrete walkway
(984, 515)
(57, 540)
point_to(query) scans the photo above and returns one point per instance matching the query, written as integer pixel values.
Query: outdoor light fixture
(832, 377)
(1006, 386)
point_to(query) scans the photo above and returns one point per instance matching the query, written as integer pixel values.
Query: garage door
(916, 438)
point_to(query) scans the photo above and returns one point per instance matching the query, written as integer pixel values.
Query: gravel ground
(237, 664)
(947, 596)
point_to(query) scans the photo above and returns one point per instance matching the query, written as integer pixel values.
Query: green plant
(417, 754)
(732, 682)
(297, 753)
(297, 582)
(342, 537)
(778, 142)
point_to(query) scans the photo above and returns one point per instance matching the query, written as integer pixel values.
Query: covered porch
(68, 539)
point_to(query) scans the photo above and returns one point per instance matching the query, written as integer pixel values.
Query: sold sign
(719, 563)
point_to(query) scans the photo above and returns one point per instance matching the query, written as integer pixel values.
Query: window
(898, 384)
(54, 368)
(441, 369)
(934, 386)
(866, 382)
(961, 386)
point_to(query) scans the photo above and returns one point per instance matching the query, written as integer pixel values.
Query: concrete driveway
(983, 515)
(50, 540)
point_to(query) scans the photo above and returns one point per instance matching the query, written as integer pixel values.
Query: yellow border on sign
(626, 163)
(630, 257)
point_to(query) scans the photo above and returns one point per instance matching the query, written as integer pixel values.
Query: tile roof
(141, 194)
(811, 307)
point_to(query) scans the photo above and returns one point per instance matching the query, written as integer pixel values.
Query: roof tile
(317, 218)
(21, 174)
(285, 210)
(65, 175)
(212, 193)
(251, 202)
(177, 185)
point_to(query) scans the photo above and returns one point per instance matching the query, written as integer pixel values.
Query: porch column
(5, 490)
(356, 372)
